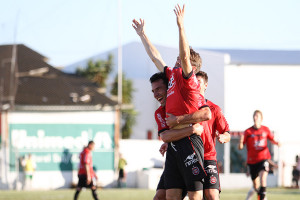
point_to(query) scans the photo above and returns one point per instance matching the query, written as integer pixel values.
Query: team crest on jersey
(162, 122)
(195, 171)
(212, 180)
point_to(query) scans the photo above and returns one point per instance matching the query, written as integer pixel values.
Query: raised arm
(177, 134)
(184, 49)
(203, 114)
(152, 52)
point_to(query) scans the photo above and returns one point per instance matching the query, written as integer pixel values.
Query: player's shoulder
(265, 128)
(214, 107)
(249, 130)
(160, 109)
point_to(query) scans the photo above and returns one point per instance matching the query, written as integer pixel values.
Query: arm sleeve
(270, 134)
(167, 71)
(221, 123)
(161, 122)
(245, 137)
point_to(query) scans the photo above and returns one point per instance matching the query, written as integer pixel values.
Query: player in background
(215, 128)
(86, 173)
(184, 162)
(255, 138)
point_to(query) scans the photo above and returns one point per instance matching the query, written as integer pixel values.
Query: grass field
(136, 194)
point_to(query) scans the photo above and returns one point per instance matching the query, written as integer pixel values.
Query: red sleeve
(161, 122)
(86, 158)
(245, 136)
(168, 72)
(190, 82)
(221, 123)
(270, 134)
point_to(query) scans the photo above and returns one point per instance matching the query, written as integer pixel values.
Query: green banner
(57, 146)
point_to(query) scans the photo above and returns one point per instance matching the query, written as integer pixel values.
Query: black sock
(262, 193)
(94, 194)
(76, 194)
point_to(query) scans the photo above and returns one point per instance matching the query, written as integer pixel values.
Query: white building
(240, 81)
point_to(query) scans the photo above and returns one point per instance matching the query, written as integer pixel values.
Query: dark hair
(203, 75)
(157, 76)
(91, 142)
(195, 59)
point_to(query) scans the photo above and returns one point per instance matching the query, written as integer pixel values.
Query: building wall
(55, 140)
(273, 90)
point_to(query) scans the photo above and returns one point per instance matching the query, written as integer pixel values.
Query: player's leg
(263, 181)
(250, 193)
(195, 195)
(80, 185)
(78, 190)
(94, 193)
(211, 184)
(174, 194)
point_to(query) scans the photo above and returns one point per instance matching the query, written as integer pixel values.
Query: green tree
(97, 71)
(128, 112)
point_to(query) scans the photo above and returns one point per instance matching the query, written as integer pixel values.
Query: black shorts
(82, 181)
(184, 164)
(161, 185)
(121, 173)
(257, 167)
(212, 180)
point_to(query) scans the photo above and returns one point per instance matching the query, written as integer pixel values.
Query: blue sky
(67, 31)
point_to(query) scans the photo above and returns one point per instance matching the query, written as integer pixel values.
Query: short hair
(91, 142)
(203, 75)
(195, 59)
(259, 112)
(157, 76)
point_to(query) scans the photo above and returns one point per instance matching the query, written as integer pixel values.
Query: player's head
(159, 84)
(195, 60)
(257, 118)
(91, 145)
(203, 81)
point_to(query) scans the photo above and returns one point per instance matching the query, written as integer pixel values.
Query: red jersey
(160, 115)
(86, 158)
(217, 123)
(256, 141)
(183, 96)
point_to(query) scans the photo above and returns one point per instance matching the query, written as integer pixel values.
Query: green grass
(135, 194)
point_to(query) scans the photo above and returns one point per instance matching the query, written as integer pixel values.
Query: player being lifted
(184, 161)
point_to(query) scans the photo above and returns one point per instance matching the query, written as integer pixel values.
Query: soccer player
(86, 173)
(184, 161)
(216, 127)
(159, 88)
(258, 153)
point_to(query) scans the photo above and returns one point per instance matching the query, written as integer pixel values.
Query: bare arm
(203, 114)
(88, 174)
(177, 134)
(184, 49)
(152, 52)
(241, 144)
(224, 138)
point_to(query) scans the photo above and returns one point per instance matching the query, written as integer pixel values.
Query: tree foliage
(128, 115)
(97, 71)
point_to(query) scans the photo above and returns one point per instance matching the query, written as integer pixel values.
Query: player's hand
(138, 26)
(88, 180)
(171, 120)
(197, 129)
(221, 138)
(179, 14)
(163, 148)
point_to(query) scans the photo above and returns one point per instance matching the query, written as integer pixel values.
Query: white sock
(250, 194)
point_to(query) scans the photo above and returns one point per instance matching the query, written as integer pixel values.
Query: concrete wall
(274, 91)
